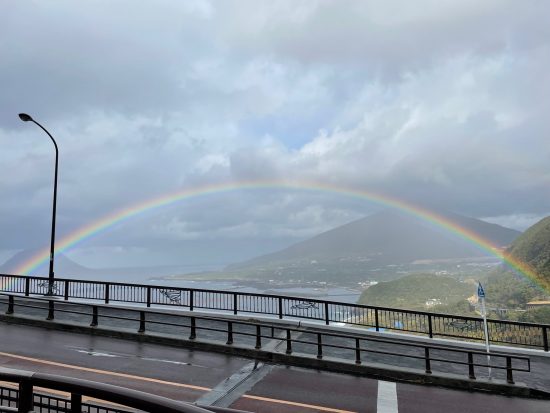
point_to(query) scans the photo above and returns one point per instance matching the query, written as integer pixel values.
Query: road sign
(480, 291)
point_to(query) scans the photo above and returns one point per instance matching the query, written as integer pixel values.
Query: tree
(537, 315)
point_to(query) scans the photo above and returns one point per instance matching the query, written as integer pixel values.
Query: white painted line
(105, 372)
(387, 397)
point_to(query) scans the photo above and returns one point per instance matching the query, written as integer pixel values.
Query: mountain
(533, 248)
(64, 266)
(67, 268)
(388, 238)
(513, 290)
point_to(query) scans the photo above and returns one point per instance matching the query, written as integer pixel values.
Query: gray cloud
(441, 103)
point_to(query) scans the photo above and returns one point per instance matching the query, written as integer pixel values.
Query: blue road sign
(480, 291)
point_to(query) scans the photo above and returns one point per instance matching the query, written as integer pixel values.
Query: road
(211, 378)
(215, 331)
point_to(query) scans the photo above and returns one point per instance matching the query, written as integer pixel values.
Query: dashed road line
(106, 372)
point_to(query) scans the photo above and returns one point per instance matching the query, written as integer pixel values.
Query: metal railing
(378, 318)
(24, 399)
(318, 343)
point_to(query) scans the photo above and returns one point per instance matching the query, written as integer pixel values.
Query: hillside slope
(533, 248)
(64, 266)
(412, 292)
(512, 289)
(389, 237)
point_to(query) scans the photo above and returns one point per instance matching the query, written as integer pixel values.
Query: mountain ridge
(63, 264)
(533, 248)
(389, 237)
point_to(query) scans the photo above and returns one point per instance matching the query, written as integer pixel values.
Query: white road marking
(95, 353)
(387, 397)
(109, 373)
(162, 382)
(99, 353)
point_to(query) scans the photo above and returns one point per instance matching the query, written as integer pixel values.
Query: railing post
(148, 296)
(327, 318)
(509, 373)
(10, 305)
(25, 402)
(191, 299)
(229, 332)
(27, 286)
(471, 373)
(94, 317)
(319, 346)
(235, 303)
(107, 288)
(76, 403)
(427, 359)
(430, 329)
(545, 338)
(280, 307)
(66, 290)
(357, 351)
(288, 342)
(193, 334)
(258, 337)
(141, 322)
(376, 319)
(50, 310)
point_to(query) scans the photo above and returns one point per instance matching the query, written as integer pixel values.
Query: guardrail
(24, 399)
(354, 348)
(379, 318)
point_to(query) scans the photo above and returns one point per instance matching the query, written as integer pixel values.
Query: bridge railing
(23, 398)
(314, 342)
(377, 318)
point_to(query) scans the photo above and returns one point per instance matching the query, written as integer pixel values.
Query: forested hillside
(413, 291)
(533, 248)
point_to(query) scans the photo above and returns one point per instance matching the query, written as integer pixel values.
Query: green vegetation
(461, 307)
(533, 248)
(413, 291)
(539, 315)
(507, 290)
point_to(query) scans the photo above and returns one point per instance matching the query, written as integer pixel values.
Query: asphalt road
(537, 378)
(211, 378)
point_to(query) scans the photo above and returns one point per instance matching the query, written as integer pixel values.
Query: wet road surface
(191, 375)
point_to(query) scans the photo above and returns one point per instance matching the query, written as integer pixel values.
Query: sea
(329, 293)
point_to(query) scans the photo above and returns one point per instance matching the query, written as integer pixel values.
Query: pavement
(230, 381)
(125, 320)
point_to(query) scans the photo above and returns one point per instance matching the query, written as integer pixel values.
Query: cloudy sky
(444, 104)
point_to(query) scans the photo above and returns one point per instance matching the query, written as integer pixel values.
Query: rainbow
(125, 214)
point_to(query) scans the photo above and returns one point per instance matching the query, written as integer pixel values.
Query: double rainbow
(125, 214)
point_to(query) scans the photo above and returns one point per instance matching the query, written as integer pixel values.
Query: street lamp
(26, 118)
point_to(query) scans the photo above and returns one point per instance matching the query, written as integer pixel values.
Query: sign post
(481, 297)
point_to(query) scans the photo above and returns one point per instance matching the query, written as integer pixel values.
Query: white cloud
(519, 221)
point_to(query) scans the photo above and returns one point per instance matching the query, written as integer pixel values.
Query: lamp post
(26, 118)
